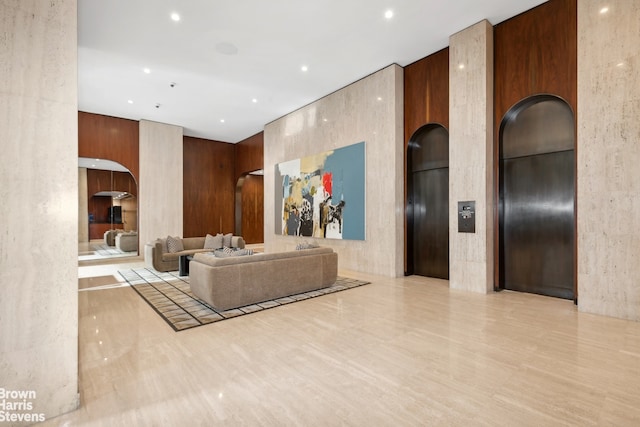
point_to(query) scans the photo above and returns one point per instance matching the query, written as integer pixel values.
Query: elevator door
(428, 224)
(537, 191)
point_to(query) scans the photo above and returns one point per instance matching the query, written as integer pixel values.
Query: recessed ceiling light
(254, 100)
(221, 120)
(175, 16)
(388, 14)
(146, 70)
(304, 68)
(604, 10)
(130, 101)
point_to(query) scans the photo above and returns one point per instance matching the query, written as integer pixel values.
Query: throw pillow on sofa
(229, 252)
(174, 244)
(306, 245)
(226, 240)
(213, 242)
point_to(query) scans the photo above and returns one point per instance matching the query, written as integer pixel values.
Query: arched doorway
(428, 202)
(107, 201)
(536, 197)
(249, 207)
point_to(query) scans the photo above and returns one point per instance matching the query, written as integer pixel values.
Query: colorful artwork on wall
(322, 195)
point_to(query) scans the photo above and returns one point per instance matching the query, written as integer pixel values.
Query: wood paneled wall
(426, 100)
(111, 138)
(209, 187)
(426, 92)
(250, 154)
(103, 180)
(253, 209)
(249, 158)
(536, 52)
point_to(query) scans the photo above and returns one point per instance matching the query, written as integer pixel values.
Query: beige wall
(39, 209)
(471, 156)
(160, 189)
(352, 114)
(608, 159)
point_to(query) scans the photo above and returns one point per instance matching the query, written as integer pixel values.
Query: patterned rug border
(170, 296)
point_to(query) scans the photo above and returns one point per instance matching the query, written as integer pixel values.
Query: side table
(183, 264)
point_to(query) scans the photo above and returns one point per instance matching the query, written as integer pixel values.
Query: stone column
(39, 209)
(471, 156)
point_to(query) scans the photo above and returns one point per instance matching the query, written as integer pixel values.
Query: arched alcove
(536, 197)
(428, 202)
(107, 201)
(249, 207)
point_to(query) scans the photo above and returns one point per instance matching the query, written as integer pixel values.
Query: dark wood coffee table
(183, 264)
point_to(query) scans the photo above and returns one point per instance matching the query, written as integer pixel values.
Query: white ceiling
(224, 53)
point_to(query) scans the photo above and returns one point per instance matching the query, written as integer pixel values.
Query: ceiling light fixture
(388, 14)
(304, 68)
(221, 120)
(146, 70)
(175, 16)
(604, 10)
(254, 100)
(130, 101)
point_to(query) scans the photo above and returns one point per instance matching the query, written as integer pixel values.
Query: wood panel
(249, 155)
(111, 138)
(534, 53)
(209, 187)
(103, 180)
(249, 158)
(426, 92)
(253, 209)
(426, 100)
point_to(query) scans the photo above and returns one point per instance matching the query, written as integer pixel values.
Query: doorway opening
(537, 197)
(428, 202)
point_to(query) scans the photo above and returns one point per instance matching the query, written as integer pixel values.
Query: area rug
(170, 296)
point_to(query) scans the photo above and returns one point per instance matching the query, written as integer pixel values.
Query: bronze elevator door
(428, 208)
(537, 191)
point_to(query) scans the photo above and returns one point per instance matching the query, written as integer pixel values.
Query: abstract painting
(322, 195)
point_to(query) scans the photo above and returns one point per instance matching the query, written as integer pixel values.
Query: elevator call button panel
(467, 217)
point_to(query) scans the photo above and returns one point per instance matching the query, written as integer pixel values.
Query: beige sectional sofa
(158, 256)
(232, 282)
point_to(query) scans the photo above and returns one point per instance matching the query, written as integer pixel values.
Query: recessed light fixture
(175, 17)
(221, 120)
(304, 68)
(146, 70)
(130, 101)
(388, 14)
(254, 100)
(604, 10)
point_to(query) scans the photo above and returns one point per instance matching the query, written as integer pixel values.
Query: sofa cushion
(226, 239)
(213, 242)
(174, 244)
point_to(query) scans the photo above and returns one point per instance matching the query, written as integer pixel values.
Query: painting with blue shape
(323, 195)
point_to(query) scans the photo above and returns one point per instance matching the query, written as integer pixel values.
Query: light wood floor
(401, 352)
